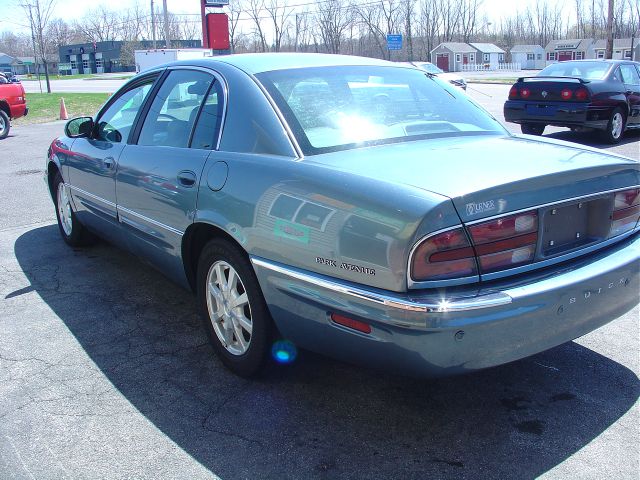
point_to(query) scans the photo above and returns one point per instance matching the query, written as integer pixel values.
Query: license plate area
(543, 110)
(569, 227)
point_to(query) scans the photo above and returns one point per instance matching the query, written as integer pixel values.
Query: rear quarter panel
(315, 218)
(12, 95)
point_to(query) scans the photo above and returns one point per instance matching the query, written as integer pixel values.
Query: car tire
(73, 232)
(5, 124)
(615, 126)
(233, 309)
(532, 128)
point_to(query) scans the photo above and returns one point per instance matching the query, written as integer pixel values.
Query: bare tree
(254, 10)
(280, 15)
(99, 25)
(39, 14)
(333, 18)
(236, 8)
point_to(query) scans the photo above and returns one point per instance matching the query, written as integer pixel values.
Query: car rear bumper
(438, 333)
(19, 110)
(558, 114)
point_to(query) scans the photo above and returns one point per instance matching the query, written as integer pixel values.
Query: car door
(631, 79)
(93, 164)
(158, 176)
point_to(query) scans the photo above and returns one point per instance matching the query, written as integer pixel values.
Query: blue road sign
(394, 42)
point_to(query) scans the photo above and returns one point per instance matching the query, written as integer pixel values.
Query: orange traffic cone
(63, 110)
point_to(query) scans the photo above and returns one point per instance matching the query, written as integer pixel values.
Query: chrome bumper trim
(399, 302)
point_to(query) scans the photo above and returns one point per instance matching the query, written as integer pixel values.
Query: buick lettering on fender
(352, 207)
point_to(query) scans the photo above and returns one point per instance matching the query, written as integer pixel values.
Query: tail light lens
(581, 94)
(525, 92)
(513, 93)
(566, 94)
(506, 242)
(444, 256)
(626, 211)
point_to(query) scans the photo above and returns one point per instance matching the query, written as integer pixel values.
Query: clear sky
(12, 17)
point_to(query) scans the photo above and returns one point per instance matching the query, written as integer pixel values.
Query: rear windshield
(585, 70)
(337, 108)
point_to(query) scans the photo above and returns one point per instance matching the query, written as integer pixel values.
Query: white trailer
(146, 59)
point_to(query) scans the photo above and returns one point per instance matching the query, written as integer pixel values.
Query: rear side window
(629, 75)
(174, 109)
(205, 134)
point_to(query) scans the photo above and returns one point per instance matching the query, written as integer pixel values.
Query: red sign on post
(218, 31)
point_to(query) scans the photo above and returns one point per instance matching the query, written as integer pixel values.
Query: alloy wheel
(228, 307)
(64, 209)
(616, 125)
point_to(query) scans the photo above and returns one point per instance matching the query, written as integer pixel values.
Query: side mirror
(79, 127)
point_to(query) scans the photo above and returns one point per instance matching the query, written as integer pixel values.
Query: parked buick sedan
(418, 236)
(583, 95)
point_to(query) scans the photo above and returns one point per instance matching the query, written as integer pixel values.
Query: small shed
(622, 49)
(530, 57)
(572, 49)
(450, 56)
(489, 54)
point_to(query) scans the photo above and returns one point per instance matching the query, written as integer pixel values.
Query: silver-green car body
(332, 230)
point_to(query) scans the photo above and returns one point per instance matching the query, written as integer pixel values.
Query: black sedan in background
(602, 95)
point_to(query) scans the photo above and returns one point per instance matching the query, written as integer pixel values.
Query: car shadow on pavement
(317, 418)
(593, 139)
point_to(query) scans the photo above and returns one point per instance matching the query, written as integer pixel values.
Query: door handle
(187, 178)
(109, 162)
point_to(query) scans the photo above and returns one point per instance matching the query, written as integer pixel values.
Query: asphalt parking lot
(105, 372)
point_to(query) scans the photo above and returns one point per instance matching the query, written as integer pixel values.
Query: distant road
(75, 85)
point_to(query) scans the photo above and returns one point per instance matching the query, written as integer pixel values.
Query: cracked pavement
(105, 372)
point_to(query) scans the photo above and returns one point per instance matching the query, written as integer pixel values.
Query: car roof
(603, 60)
(253, 63)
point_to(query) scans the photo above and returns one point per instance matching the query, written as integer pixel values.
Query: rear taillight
(506, 242)
(525, 92)
(626, 211)
(566, 94)
(444, 256)
(513, 93)
(581, 94)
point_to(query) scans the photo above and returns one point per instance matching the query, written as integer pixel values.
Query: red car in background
(13, 104)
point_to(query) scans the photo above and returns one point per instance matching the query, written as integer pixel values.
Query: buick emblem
(544, 93)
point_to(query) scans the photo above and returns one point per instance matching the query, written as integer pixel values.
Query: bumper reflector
(351, 323)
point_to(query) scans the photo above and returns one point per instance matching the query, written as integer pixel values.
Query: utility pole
(609, 51)
(166, 25)
(153, 26)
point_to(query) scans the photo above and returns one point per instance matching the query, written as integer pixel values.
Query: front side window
(116, 121)
(337, 108)
(174, 109)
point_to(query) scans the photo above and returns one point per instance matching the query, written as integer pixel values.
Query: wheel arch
(193, 241)
(4, 106)
(52, 170)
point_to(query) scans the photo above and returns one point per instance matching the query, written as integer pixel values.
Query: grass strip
(45, 107)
